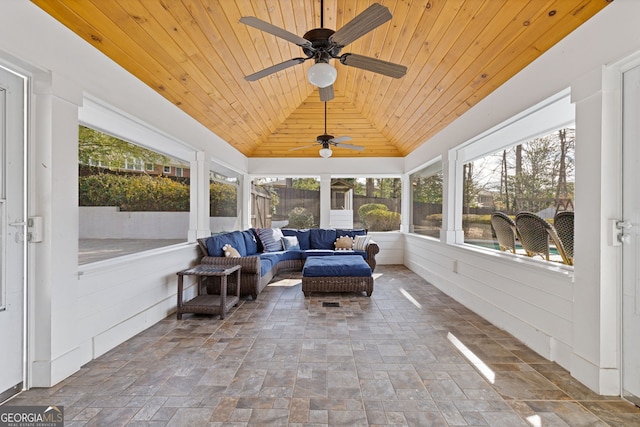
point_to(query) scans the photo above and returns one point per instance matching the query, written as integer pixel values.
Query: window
(375, 205)
(179, 172)
(122, 209)
(223, 202)
(536, 176)
(166, 169)
(286, 202)
(426, 193)
(149, 167)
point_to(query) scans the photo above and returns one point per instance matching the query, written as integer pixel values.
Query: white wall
(574, 323)
(108, 222)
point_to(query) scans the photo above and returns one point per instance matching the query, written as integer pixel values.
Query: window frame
(427, 165)
(551, 114)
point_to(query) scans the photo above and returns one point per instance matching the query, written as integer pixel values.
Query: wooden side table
(204, 303)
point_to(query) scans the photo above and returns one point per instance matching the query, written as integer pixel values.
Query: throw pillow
(361, 242)
(344, 243)
(290, 242)
(271, 239)
(230, 251)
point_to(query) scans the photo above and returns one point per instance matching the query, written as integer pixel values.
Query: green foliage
(468, 219)
(300, 218)
(429, 189)
(151, 193)
(95, 146)
(222, 199)
(377, 217)
(134, 193)
(306, 184)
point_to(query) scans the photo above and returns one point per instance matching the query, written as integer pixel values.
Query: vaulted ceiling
(196, 53)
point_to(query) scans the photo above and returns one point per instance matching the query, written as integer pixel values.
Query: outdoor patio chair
(536, 234)
(563, 223)
(505, 229)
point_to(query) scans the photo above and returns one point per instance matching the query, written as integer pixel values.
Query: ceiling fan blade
(349, 146)
(341, 138)
(372, 17)
(300, 148)
(267, 27)
(372, 64)
(274, 69)
(326, 93)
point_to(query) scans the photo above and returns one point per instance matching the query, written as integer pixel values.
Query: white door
(12, 232)
(631, 248)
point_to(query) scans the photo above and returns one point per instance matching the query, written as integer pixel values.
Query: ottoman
(338, 273)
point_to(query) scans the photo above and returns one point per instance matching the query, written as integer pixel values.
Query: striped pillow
(271, 239)
(360, 243)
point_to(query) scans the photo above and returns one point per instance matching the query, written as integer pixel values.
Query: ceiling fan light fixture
(322, 74)
(326, 152)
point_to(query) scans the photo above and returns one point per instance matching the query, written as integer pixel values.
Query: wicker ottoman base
(337, 284)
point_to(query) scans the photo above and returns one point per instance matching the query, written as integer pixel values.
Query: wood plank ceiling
(196, 54)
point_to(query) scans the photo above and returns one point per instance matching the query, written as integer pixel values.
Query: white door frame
(13, 193)
(630, 287)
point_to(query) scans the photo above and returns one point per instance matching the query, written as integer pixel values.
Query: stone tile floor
(395, 359)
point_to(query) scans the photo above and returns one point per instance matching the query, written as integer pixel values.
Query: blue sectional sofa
(263, 254)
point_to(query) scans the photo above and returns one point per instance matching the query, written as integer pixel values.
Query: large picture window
(535, 176)
(125, 207)
(286, 202)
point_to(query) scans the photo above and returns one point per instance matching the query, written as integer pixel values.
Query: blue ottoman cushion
(336, 266)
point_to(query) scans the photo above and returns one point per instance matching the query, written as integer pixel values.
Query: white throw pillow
(360, 243)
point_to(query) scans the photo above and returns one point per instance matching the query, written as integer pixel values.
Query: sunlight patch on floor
(535, 420)
(411, 299)
(475, 360)
(286, 283)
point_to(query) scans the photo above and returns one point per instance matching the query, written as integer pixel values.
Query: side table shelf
(204, 303)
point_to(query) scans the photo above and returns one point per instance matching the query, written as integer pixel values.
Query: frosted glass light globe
(322, 74)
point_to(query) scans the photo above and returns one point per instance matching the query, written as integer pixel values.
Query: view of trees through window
(426, 189)
(372, 203)
(535, 176)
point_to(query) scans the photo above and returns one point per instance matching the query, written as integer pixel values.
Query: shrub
(382, 220)
(134, 193)
(378, 217)
(366, 208)
(300, 218)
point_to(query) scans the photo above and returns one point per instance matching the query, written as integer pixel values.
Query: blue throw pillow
(250, 242)
(271, 239)
(302, 235)
(323, 238)
(351, 233)
(216, 242)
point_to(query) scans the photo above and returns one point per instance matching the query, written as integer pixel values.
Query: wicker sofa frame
(251, 281)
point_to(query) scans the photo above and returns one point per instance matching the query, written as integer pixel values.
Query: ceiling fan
(322, 44)
(326, 141)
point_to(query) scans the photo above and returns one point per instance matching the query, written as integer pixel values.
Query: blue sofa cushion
(235, 239)
(336, 266)
(302, 235)
(317, 252)
(363, 254)
(351, 233)
(250, 242)
(278, 256)
(270, 238)
(266, 265)
(322, 238)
